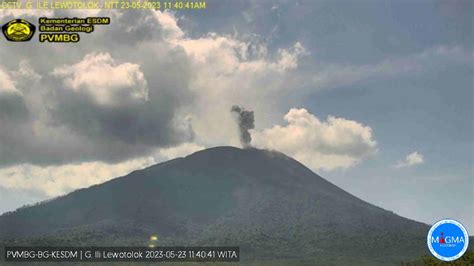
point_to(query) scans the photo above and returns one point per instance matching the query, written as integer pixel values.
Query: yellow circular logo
(18, 30)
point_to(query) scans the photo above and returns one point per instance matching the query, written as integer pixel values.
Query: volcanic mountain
(271, 206)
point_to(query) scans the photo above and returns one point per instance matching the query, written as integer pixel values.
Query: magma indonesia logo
(448, 240)
(18, 30)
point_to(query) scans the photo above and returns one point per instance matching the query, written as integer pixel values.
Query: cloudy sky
(375, 96)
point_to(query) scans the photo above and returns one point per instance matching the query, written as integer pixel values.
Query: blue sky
(429, 110)
(398, 73)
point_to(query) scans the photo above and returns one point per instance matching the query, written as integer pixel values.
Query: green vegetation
(466, 260)
(276, 210)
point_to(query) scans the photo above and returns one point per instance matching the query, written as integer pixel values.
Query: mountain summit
(267, 203)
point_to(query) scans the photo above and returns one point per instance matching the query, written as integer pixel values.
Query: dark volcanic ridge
(265, 202)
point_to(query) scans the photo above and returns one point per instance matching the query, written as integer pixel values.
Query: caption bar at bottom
(117, 254)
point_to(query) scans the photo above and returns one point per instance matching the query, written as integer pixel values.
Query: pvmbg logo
(448, 240)
(18, 30)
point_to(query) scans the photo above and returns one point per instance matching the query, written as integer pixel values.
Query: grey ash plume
(246, 121)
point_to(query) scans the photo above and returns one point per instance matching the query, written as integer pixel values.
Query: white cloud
(169, 25)
(328, 145)
(227, 55)
(411, 159)
(15, 13)
(57, 180)
(215, 71)
(84, 13)
(54, 181)
(108, 82)
(288, 59)
(228, 70)
(7, 85)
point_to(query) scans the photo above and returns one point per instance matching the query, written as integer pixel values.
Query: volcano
(270, 205)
